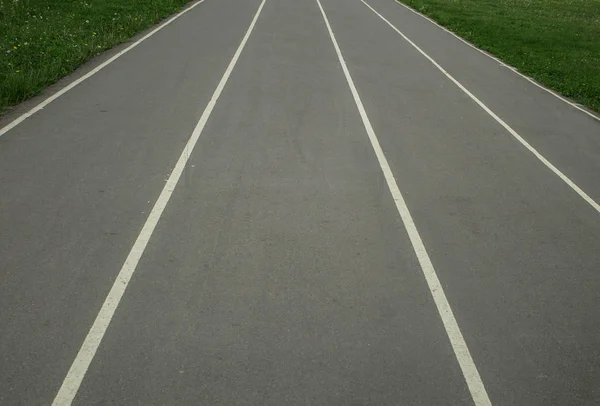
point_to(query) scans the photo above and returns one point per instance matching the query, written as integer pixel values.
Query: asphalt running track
(299, 202)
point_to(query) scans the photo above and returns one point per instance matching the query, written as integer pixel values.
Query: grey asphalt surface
(280, 271)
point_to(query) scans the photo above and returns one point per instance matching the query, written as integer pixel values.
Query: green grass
(556, 42)
(43, 40)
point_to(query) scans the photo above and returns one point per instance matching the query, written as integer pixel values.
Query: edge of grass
(43, 41)
(546, 70)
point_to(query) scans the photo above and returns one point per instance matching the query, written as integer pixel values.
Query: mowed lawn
(556, 42)
(44, 40)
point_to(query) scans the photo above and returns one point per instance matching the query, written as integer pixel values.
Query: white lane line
(469, 370)
(97, 69)
(508, 128)
(515, 70)
(90, 345)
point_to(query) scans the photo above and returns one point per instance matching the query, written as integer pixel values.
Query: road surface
(299, 202)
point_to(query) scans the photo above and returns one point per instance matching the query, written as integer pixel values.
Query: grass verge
(42, 41)
(556, 42)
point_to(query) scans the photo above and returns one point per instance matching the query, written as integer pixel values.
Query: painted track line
(90, 345)
(512, 68)
(508, 128)
(463, 355)
(91, 73)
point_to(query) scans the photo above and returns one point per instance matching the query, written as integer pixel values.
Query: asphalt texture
(280, 271)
